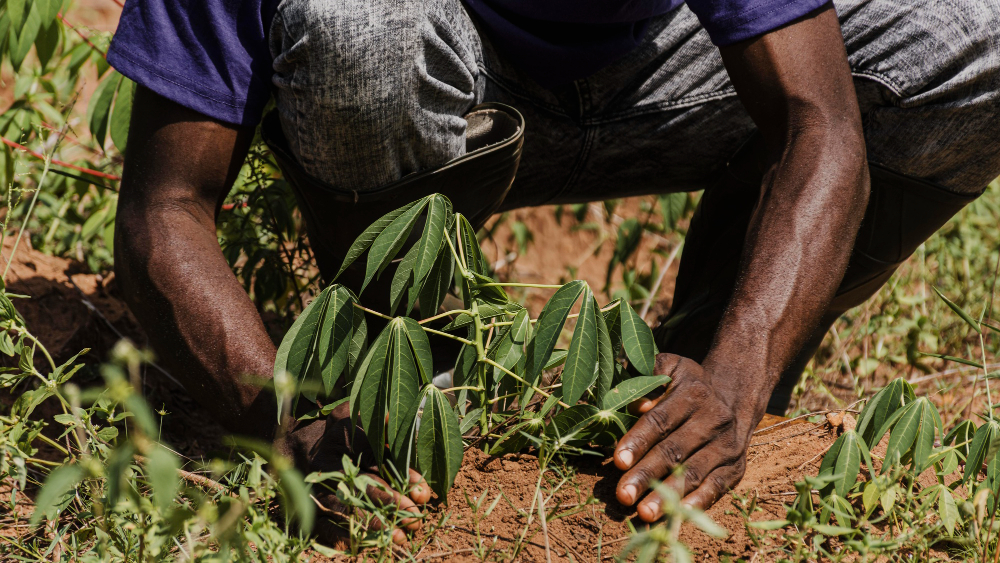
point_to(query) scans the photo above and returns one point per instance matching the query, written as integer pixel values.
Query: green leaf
(46, 42)
(843, 460)
(373, 393)
(99, 109)
(469, 244)
(368, 236)
(336, 334)
(122, 114)
(613, 320)
(47, 10)
(954, 359)
(958, 311)
(15, 9)
(465, 373)
(437, 285)
(438, 211)
(961, 437)
(984, 446)
(402, 280)
(52, 496)
(404, 388)
(638, 340)
(388, 243)
(672, 208)
(421, 348)
(550, 324)
(161, 469)
(298, 345)
(439, 443)
(948, 510)
(373, 364)
(580, 369)
(568, 424)
(632, 389)
(605, 361)
(22, 36)
(881, 407)
(913, 434)
(295, 494)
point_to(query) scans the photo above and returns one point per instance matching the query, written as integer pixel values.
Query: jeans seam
(658, 107)
(520, 93)
(588, 142)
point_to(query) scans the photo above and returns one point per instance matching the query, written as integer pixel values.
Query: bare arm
(796, 84)
(179, 167)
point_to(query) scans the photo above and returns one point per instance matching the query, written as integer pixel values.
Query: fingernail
(626, 457)
(630, 493)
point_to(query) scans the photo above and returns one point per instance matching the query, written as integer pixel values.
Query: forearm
(198, 318)
(797, 248)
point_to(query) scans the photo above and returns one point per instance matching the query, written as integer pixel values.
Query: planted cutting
(498, 398)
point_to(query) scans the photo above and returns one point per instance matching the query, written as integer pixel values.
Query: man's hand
(697, 422)
(179, 167)
(796, 85)
(319, 445)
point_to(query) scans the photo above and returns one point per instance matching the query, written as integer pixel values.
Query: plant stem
(512, 284)
(43, 437)
(484, 421)
(519, 378)
(445, 314)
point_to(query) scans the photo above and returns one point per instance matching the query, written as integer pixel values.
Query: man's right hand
(179, 166)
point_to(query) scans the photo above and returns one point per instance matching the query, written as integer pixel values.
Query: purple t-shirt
(212, 56)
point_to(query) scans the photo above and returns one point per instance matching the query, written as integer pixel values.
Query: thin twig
(545, 527)
(659, 279)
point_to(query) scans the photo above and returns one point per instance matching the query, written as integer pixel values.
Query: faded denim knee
(371, 90)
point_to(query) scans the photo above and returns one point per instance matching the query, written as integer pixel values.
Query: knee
(360, 44)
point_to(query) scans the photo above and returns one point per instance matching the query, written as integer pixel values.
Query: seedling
(498, 373)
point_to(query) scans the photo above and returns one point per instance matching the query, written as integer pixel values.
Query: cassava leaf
(336, 334)
(469, 246)
(632, 389)
(298, 345)
(439, 443)
(403, 392)
(605, 361)
(580, 369)
(961, 437)
(388, 243)
(638, 340)
(421, 348)
(550, 324)
(373, 363)
(842, 460)
(402, 280)
(368, 236)
(436, 285)
(984, 446)
(438, 212)
(373, 393)
(882, 406)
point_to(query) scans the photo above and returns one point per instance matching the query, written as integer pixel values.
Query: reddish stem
(82, 36)
(40, 156)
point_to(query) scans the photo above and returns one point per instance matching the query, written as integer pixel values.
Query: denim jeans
(371, 90)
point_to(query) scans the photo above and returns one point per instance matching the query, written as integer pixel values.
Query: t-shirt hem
(759, 20)
(149, 76)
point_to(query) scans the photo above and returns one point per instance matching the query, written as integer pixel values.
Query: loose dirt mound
(585, 522)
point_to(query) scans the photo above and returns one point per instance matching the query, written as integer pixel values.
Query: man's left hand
(699, 422)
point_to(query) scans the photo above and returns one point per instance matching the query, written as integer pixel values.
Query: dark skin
(796, 85)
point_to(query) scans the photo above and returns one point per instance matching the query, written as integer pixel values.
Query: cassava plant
(500, 397)
(893, 510)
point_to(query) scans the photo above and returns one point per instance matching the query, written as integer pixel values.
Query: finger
(389, 497)
(715, 486)
(658, 423)
(373, 523)
(661, 460)
(420, 492)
